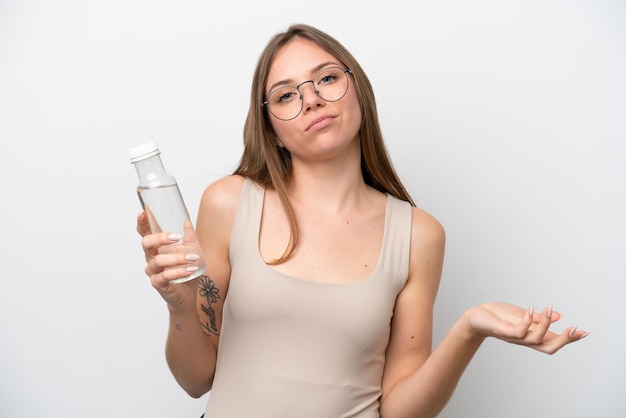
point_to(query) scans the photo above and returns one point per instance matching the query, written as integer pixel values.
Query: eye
(283, 96)
(286, 96)
(328, 76)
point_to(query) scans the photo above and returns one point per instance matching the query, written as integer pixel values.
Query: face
(322, 129)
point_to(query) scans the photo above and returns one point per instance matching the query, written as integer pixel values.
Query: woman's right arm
(195, 307)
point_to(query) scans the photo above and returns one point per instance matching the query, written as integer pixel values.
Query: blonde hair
(270, 165)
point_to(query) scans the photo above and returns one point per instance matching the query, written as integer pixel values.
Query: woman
(321, 274)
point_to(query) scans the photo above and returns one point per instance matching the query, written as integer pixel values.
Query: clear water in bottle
(166, 212)
(164, 208)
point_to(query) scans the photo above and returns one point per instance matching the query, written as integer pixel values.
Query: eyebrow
(314, 70)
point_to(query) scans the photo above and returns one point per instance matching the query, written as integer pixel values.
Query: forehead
(297, 59)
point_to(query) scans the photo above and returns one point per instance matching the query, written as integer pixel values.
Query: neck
(330, 185)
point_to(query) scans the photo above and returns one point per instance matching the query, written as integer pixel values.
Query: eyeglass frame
(266, 103)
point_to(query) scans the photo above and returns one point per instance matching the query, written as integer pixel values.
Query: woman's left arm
(418, 382)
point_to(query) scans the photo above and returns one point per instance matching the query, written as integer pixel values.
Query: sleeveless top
(296, 348)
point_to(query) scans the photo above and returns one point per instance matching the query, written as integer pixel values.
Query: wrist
(468, 332)
(182, 320)
(181, 310)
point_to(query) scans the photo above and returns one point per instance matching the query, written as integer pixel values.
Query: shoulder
(426, 229)
(427, 248)
(218, 207)
(223, 194)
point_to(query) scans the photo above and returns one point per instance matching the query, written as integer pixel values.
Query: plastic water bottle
(160, 196)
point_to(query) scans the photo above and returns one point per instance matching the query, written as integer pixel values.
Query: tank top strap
(397, 239)
(245, 232)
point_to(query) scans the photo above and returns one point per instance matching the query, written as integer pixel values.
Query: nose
(312, 98)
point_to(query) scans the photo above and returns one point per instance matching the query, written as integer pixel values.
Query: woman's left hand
(520, 326)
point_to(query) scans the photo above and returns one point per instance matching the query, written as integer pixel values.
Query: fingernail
(192, 268)
(531, 311)
(572, 332)
(192, 257)
(174, 237)
(550, 312)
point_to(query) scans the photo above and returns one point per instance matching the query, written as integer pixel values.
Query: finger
(143, 227)
(163, 280)
(575, 334)
(555, 317)
(537, 333)
(162, 262)
(152, 242)
(557, 342)
(177, 273)
(515, 332)
(189, 233)
(526, 323)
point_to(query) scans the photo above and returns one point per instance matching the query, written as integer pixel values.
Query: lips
(320, 122)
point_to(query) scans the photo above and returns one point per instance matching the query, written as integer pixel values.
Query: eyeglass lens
(330, 84)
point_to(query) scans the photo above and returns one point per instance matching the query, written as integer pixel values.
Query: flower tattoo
(208, 290)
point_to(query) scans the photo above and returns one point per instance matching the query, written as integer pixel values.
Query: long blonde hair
(270, 165)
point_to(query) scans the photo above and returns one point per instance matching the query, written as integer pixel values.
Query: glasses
(330, 85)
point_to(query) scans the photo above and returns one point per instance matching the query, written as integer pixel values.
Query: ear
(279, 143)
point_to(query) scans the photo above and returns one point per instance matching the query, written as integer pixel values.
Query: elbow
(195, 394)
(196, 391)
(413, 408)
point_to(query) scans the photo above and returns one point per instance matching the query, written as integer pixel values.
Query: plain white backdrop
(505, 119)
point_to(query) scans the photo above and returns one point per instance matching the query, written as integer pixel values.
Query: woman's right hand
(167, 260)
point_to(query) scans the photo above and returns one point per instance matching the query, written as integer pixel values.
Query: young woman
(321, 275)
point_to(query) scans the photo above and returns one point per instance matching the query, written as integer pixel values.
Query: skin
(340, 218)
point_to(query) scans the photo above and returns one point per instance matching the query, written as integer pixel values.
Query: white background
(506, 120)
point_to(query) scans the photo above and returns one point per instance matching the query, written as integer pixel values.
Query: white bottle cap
(144, 151)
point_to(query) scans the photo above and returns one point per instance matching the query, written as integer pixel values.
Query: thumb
(143, 227)
(189, 236)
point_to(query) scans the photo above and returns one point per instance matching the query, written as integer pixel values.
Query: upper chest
(331, 247)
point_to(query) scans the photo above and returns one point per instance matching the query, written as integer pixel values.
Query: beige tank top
(291, 348)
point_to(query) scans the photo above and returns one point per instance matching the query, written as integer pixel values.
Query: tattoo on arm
(211, 294)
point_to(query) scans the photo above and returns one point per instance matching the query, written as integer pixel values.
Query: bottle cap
(144, 151)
